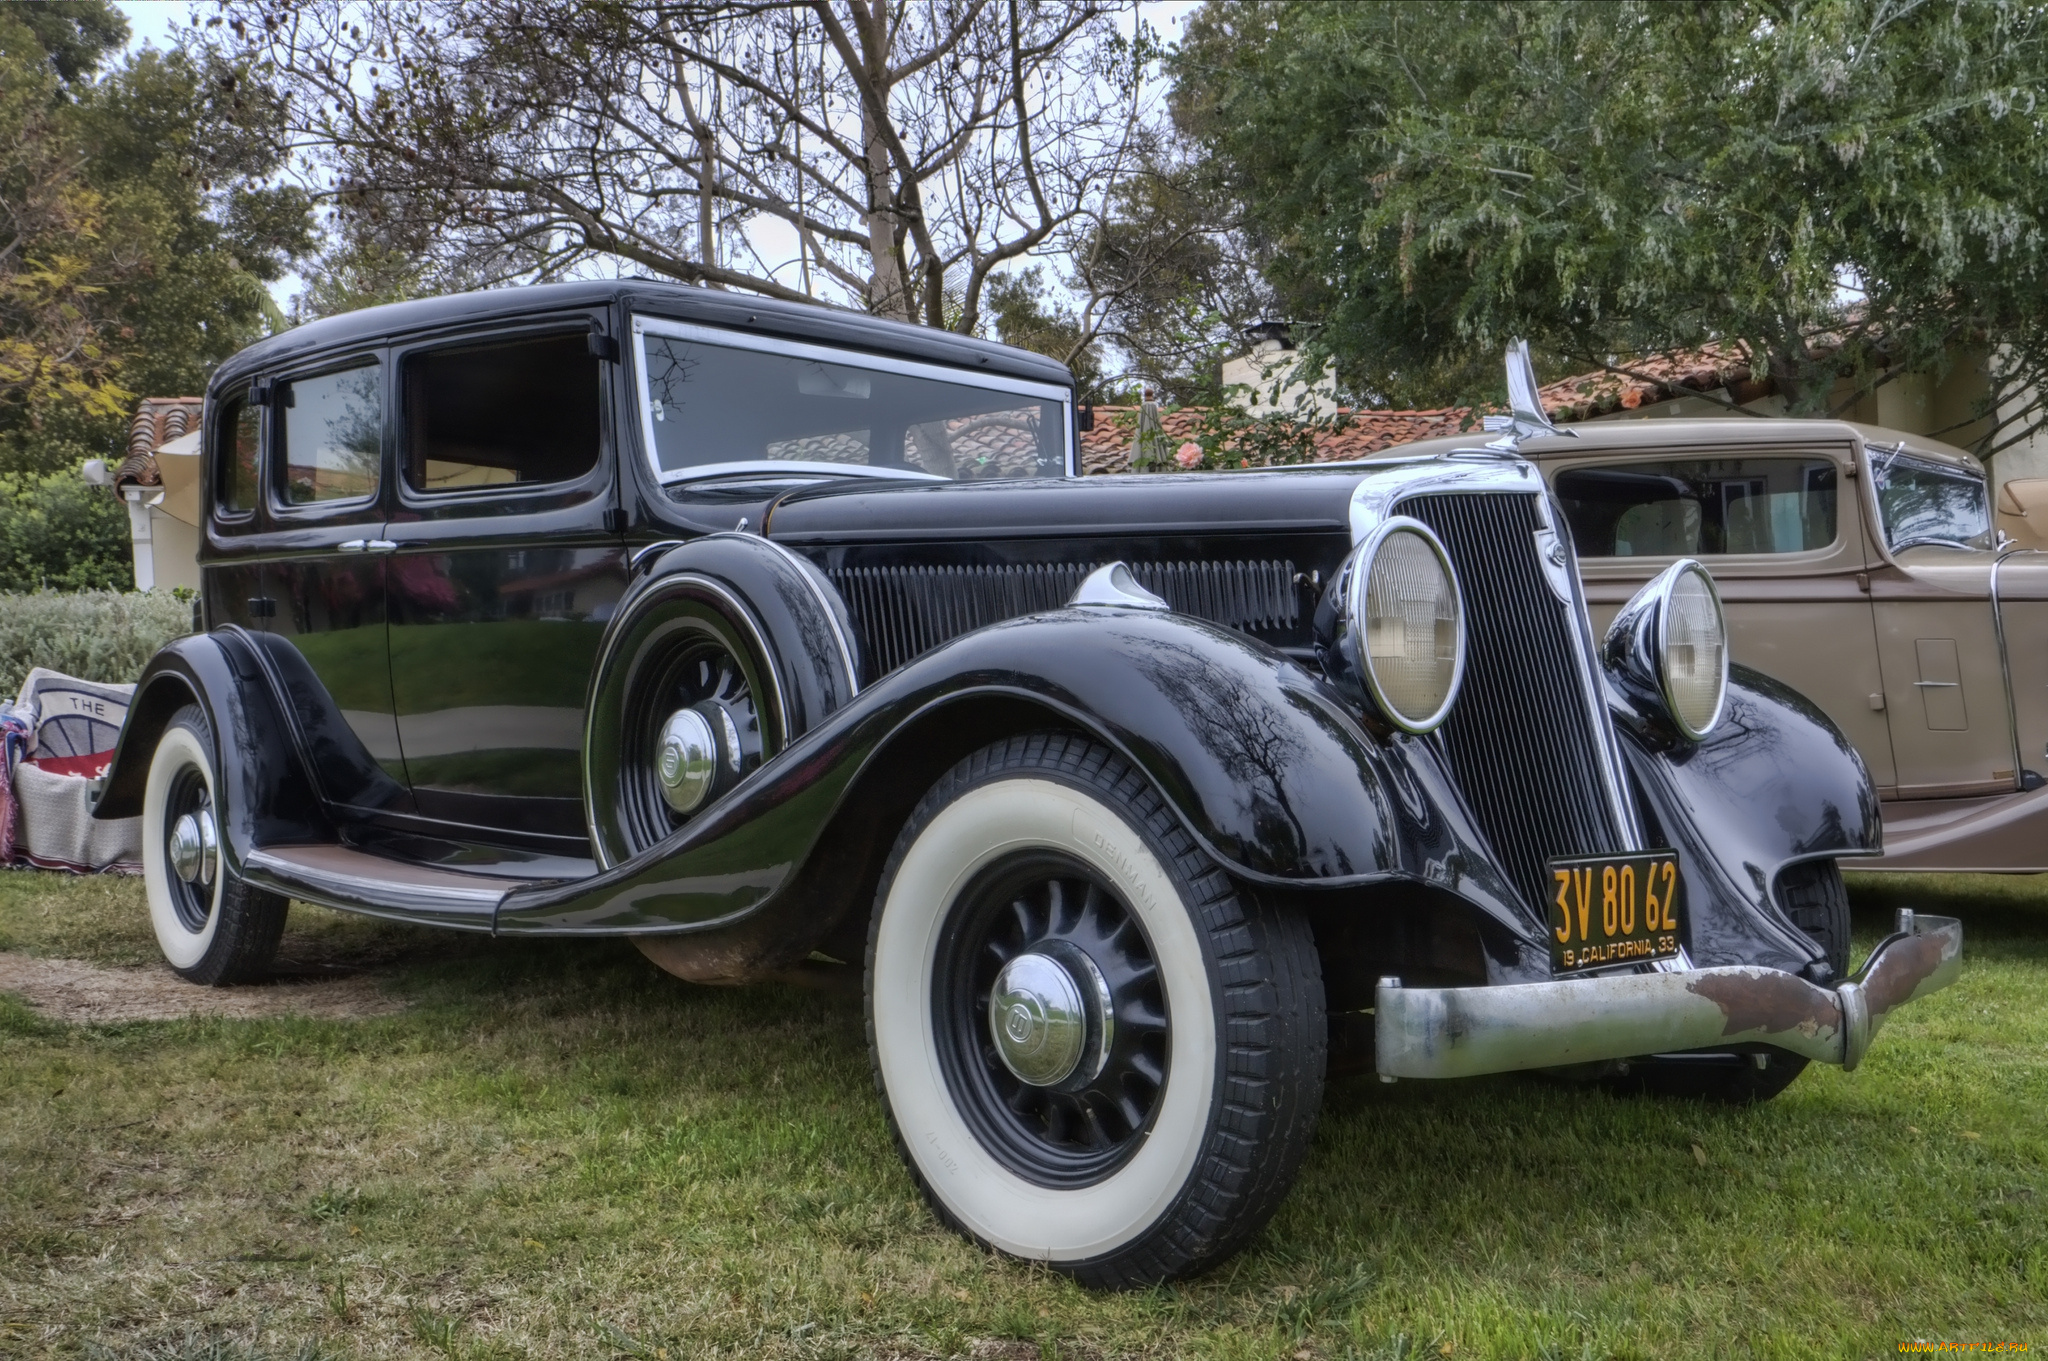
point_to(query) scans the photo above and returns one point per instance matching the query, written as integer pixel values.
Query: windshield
(723, 408)
(1923, 501)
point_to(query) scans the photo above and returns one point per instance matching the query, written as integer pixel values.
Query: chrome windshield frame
(645, 326)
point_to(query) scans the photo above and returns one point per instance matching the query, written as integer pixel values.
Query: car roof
(738, 311)
(1662, 433)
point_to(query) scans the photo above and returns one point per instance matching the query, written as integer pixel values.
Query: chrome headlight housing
(1406, 621)
(1669, 647)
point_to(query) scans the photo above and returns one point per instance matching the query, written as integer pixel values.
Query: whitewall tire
(1095, 1052)
(211, 926)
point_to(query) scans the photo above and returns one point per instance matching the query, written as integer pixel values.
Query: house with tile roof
(1708, 382)
(159, 480)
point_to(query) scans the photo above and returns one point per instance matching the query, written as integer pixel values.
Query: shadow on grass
(2006, 913)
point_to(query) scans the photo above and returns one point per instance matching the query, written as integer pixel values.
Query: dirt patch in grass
(87, 994)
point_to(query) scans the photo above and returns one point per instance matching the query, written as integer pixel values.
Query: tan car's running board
(357, 881)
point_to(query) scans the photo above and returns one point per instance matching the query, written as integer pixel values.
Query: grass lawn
(558, 1151)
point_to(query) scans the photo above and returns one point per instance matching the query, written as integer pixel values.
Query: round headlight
(1409, 624)
(1693, 651)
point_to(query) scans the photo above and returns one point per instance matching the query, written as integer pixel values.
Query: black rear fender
(266, 796)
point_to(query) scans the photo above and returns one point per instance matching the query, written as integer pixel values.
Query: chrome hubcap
(194, 847)
(1050, 1018)
(686, 759)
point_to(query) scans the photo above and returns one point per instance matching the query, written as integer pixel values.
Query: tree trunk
(888, 291)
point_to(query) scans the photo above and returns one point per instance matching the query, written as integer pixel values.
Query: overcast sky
(150, 21)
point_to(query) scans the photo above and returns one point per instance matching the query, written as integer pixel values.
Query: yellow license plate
(1614, 909)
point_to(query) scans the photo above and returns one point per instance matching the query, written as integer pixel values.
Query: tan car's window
(1700, 507)
(1928, 502)
(333, 435)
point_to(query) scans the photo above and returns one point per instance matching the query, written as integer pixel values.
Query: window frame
(1880, 459)
(275, 468)
(1845, 498)
(575, 490)
(662, 327)
(219, 427)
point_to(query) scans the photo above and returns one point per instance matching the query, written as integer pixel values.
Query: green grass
(560, 1152)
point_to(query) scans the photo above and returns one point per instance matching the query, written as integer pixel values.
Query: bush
(94, 635)
(57, 532)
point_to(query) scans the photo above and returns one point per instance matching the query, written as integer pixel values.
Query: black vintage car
(786, 643)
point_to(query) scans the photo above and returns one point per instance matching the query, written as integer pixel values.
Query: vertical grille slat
(1520, 739)
(905, 612)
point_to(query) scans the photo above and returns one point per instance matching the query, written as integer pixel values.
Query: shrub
(55, 531)
(94, 635)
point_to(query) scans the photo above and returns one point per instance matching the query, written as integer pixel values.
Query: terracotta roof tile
(1107, 448)
(158, 421)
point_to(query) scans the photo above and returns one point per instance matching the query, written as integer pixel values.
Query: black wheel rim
(192, 902)
(1040, 901)
(694, 661)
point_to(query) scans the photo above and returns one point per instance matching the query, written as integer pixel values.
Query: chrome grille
(905, 612)
(1520, 738)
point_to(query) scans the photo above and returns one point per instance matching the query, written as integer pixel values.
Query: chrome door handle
(380, 546)
(1937, 685)
(353, 545)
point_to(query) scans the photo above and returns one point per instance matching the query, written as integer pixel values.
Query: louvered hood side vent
(905, 612)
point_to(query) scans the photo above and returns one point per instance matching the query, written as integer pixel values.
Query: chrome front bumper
(1463, 1032)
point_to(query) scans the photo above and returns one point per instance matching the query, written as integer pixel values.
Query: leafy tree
(138, 229)
(1027, 315)
(1817, 186)
(1169, 274)
(60, 533)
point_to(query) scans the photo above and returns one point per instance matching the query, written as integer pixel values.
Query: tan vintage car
(1864, 568)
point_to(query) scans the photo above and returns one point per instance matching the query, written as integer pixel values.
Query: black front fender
(1266, 768)
(1775, 783)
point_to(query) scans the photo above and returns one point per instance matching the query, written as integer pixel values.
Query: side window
(333, 426)
(518, 411)
(1704, 506)
(240, 428)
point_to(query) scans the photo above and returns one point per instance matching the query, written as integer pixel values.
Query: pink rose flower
(1188, 455)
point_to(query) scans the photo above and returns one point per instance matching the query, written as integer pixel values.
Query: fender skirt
(1263, 765)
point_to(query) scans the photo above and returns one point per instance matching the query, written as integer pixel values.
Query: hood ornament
(1526, 416)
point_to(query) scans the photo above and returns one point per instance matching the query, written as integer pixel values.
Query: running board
(357, 881)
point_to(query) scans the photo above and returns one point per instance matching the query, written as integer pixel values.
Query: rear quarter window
(238, 436)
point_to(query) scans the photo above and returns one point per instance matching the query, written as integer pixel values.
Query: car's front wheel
(212, 927)
(1095, 1052)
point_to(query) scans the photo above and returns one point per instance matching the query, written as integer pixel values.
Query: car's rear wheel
(212, 927)
(1095, 1052)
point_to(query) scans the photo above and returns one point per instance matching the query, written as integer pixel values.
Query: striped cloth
(60, 734)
